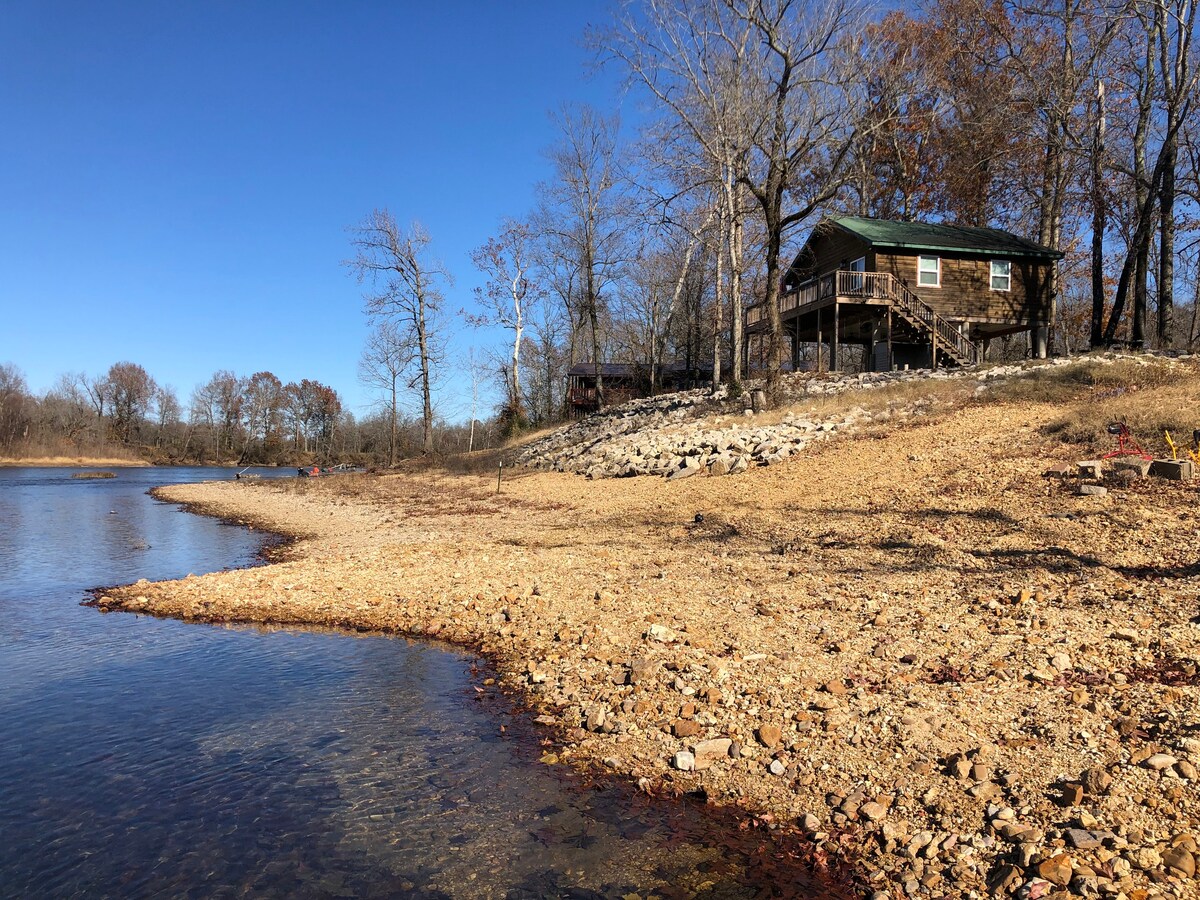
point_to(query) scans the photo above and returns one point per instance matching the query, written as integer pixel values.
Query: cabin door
(856, 281)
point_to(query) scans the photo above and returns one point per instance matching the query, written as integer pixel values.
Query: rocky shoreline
(955, 673)
(691, 432)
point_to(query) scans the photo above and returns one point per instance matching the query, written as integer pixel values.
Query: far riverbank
(73, 462)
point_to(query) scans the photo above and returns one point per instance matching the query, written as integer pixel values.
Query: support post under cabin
(833, 341)
(890, 360)
(820, 348)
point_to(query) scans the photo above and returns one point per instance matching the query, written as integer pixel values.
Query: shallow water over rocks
(147, 757)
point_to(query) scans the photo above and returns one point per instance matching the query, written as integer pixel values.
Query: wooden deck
(860, 292)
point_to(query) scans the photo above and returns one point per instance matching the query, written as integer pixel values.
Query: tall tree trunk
(1099, 220)
(518, 329)
(1141, 236)
(426, 398)
(1166, 246)
(1178, 89)
(773, 217)
(393, 436)
(734, 249)
(1050, 221)
(722, 242)
(1141, 291)
(1143, 192)
(594, 322)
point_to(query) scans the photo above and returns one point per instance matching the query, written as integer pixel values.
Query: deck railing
(865, 285)
(871, 286)
(810, 292)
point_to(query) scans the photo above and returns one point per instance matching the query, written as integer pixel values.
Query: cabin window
(1001, 275)
(929, 271)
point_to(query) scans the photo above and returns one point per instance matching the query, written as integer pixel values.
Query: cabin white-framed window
(929, 271)
(1001, 275)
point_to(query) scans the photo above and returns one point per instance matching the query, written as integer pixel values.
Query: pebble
(1180, 859)
(642, 669)
(1072, 794)
(1096, 781)
(1082, 839)
(1160, 761)
(873, 811)
(769, 735)
(708, 752)
(684, 728)
(1144, 858)
(661, 633)
(1056, 870)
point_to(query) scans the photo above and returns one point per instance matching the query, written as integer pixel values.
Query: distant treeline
(230, 419)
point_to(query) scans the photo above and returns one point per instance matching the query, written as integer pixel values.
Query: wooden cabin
(911, 294)
(627, 382)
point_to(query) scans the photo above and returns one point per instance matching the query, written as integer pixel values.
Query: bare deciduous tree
(385, 359)
(406, 289)
(1176, 21)
(14, 398)
(800, 118)
(262, 411)
(692, 57)
(583, 212)
(506, 261)
(130, 391)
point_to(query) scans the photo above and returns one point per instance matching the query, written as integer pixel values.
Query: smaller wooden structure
(622, 381)
(911, 293)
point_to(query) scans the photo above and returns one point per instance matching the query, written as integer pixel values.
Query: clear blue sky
(177, 178)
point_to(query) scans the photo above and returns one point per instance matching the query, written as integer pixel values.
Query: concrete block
(1173, 469)
(1092, 490)
(1135, 464)
(1090, 468)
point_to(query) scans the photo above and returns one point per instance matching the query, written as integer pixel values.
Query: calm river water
(143, 757)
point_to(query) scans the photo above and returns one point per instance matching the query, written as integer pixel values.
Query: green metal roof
(942, 238)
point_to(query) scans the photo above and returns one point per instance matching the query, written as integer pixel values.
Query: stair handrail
(944, 331)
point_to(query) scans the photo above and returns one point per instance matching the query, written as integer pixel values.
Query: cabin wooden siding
(834, 249)
(965, 293)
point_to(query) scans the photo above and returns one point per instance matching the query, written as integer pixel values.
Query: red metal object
(1127, 445)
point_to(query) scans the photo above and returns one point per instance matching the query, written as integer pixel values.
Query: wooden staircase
(949, 341)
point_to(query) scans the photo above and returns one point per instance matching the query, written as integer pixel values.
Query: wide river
(145, 757)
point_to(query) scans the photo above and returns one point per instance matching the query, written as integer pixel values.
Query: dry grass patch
(1149, 396)
(899, 395)
(932, 392)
